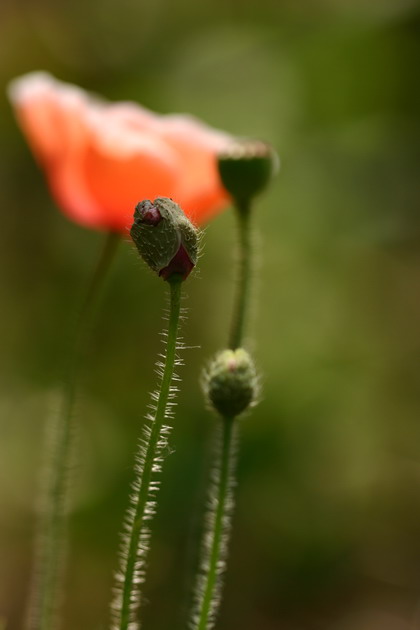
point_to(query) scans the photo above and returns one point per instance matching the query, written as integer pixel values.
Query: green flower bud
(231, 383)
(246, 168)
(165, 238)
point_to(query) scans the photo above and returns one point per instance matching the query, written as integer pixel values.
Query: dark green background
(327, 525)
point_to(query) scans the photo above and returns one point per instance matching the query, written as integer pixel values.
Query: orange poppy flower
(101, 158)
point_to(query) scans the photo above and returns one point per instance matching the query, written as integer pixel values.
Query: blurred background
(327, 524)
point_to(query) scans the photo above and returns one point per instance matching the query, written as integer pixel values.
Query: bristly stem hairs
(230, 382)
(168, 243)
(50, 548)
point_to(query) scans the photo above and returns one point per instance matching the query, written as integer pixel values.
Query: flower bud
(165, 239)
(246, 168)
(231, 383)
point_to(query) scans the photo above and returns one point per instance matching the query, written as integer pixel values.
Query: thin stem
(148, 461)
(216, 537)
(240, 312)
(103, 264)
(213, 562)
(49, 552)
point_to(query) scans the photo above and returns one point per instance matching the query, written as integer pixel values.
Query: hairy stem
(240, 312)
(216, 535)
(50, 548)
(142, 505)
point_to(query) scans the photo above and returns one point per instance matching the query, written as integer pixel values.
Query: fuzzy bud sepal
(231, 383)
(165, 238)
(246, 169)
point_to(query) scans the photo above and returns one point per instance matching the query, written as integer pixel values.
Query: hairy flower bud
(246, 168)
(165, 239)
(231, 383)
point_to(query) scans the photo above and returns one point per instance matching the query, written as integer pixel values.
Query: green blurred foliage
(327, 525)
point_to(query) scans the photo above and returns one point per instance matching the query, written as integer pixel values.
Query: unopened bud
(231, 383)
(246, 168)
(165, 238)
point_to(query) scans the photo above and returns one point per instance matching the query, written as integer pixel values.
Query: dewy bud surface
(165, 238)
(231, 382)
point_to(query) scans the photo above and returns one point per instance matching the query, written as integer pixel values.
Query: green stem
(50, 548)
(208, 592)
(216, 540)
(135, 546)
(240, 312)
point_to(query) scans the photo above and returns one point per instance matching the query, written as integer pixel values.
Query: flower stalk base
(50, 548)
(136, 536)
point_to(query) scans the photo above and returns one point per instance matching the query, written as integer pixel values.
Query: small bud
(246, 168)
(165, 239)
(231, 383)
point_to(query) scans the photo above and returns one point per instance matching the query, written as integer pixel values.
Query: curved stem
(240, 312)
(218, 529)
(49, 552)
(135, 545)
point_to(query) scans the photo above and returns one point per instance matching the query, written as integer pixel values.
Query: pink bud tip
(147, 213)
